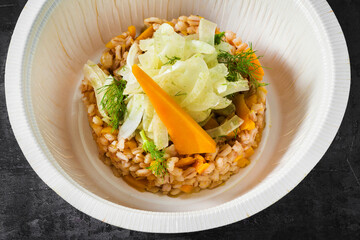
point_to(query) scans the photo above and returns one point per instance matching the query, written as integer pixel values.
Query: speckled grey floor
(326, 205)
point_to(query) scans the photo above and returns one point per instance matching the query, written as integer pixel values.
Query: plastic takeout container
(308, 71)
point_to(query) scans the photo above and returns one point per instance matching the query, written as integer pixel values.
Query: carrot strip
(132, 31)
(202, 167)
(249, 152)
(243, 111)
(251, 100)
(186, 188)
(186, 134)
(185, 161)
(171, 24)
(243, 162)
(258, 71)
(146, 34)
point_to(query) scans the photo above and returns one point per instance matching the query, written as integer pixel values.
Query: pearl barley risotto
(178, 108)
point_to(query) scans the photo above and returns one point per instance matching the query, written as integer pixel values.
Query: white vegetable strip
(227, 127)
(148, 114)
(207, 31)
(168, 43)
(135, 112)
(161, 135)
(132, 55)
(224, 46)
(98, 79)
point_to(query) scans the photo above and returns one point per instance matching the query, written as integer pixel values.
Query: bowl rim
(51, 173)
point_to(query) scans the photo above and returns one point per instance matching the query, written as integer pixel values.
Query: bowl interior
(282, 31)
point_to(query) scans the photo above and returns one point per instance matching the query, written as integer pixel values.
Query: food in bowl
(177, 109)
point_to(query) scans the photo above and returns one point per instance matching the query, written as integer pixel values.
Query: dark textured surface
(326, 205)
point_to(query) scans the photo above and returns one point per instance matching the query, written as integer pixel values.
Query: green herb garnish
(113, 101)
(230, 96)
(218, 37)
(235, 133)
(239, 66)
(172, 60)
(179, 93)
(158, 166)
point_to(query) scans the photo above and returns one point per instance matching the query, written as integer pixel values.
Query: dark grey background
(326, 205)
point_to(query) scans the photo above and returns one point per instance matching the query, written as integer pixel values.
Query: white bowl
(308, 71)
